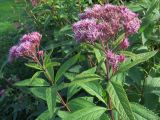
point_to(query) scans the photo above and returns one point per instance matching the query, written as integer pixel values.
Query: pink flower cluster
(86, 29)
(114, 59)
(34, 2)
(107, 20)
(28, 47)
(103, 22)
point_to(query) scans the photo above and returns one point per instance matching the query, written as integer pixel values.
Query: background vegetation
(54, 19)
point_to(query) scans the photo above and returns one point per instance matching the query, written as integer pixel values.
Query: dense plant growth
(83, 60)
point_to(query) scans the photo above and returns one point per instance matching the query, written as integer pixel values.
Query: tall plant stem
(51, 81)
(108, 78)
(64, 102)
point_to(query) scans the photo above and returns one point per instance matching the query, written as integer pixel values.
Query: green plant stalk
(108, 78)
(48, 76)
(50, 79)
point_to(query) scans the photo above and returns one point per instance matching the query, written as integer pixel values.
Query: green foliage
(72, 81)
(89, 113)
(142, 113)
(120, 101)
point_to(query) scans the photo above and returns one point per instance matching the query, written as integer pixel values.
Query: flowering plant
(105, 29)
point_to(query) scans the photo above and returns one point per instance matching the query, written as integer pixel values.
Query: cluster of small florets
(103, 22)
(108, 20)
(28, 47)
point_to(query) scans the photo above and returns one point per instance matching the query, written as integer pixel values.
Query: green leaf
(66, 66)
(91, 70)
(120, 100)
(119, 78)
(32, 82)
(39, 92)
(93, 88)
(51, 94)
(44, 116)
(36, 75)
(63, 114)
(53, 64)
(79, 79)
(50, 73)
(75, 88)
(118, 41)
(142, 113)
(104, 117)
(91, 113)
(138, 59)
(34, 66)
(100, 57)
(72, 91)
(47, 58)
(151, 8)
(151, 88)
(79, 103)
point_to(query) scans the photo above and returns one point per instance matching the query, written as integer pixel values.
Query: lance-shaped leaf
(120, 100)
(137, 59)
(79, 79)
(66, 66)
(34, 66)
(51, 94)
(32, 82)
(89, 113)
(79, 103)
(93, 88)
(142, 113)
(44, 116)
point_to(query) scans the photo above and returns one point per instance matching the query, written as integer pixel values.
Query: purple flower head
(26, 49)
(124, 44)
(33, 37)
(127, 14)
(131, 21)
(121, 58)
(132, 26)
(110, 7)
(110, 19)
(88, 13)
(86, 29)
(25, 38)
(13, 54)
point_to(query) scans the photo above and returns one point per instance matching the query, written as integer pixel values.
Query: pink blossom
(130, 19)
(33, 37)
(86, 29)
(27, 47)
(132, 26)
(13, 54)
(25, 38)
(121, 58)
(40, 53)
(124, 44)
(110, 19)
